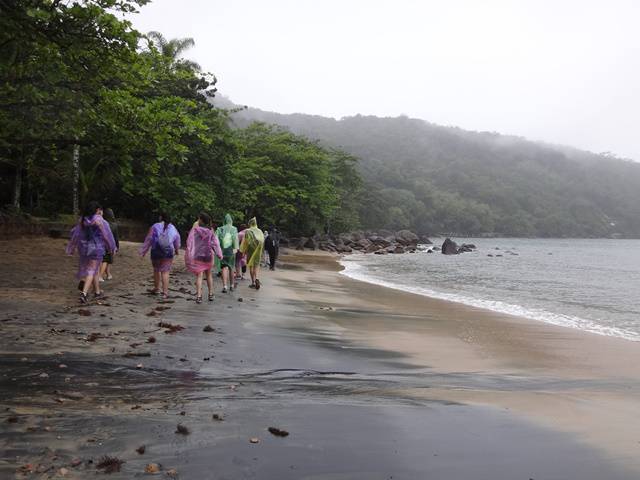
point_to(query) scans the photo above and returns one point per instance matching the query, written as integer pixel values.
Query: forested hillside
(437, 179)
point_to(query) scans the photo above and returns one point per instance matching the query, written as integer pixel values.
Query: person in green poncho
(228, 237)
(252, 246)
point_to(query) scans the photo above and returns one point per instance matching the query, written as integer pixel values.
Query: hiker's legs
(199, 283)
(156, 280)
(165, 282)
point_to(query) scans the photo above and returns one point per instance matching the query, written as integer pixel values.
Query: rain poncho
(163, 243)
(228, 237)
(252, 243)
(92, 238)
(202, 244)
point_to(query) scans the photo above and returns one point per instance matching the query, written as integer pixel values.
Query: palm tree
(173, 49)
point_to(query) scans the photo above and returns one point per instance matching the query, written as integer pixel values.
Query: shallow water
(587, 284)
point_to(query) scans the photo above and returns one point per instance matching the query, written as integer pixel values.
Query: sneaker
(253, 285)
(224, 289)
(109, 277)
(98, 295)
(83, 298)
(257, 284)
(101, 280)
(198, 299)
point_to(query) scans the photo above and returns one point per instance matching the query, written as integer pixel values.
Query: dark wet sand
(311, 353)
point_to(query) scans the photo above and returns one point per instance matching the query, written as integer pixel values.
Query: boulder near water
(449, 247)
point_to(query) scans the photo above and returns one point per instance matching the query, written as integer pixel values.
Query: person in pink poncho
(202, 245)
(92, 238)
(163, 240)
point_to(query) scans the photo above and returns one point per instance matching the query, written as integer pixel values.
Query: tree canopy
(76, 77)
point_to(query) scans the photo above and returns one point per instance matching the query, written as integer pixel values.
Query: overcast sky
(561, 71)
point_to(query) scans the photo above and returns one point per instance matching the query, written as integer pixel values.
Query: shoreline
(566, 379)
(496, 306)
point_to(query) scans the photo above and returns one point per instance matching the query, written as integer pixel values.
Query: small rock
(84, 312)
(218, 416)
(241, 299)
(63, 472)
(62, 365)
(182, 430)
(141, 449)
(277, 432)
(139, 366)
(151, 340)
(254, 440)
(44, 375)
(75, 462)
(208, 328)
(172, 472)
(152, 468)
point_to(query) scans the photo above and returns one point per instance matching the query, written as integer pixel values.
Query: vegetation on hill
(435, 179)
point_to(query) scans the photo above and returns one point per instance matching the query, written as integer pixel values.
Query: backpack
(227, 239)
(164, 245)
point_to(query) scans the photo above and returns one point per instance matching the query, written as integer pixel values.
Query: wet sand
(369, 382)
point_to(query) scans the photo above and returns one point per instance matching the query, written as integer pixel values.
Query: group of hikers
(227, 250)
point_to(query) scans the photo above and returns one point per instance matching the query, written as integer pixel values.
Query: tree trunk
(76, 179)
(17, 188)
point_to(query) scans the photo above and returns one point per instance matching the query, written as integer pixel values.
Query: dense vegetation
(88, 103)
(436, 179)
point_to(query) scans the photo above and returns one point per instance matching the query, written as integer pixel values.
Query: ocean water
(591, 285)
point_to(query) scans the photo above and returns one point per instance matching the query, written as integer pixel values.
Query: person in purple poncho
(163, 240)
(202, 244)
(92, 238)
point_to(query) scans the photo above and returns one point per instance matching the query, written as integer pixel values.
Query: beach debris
(109, 464)
(170, 327)
(218, 417)
(62, 365)
(152, 313)
(141, 449)
(254, 440)
(182, 430)
(76, 462)
(137, 354)
(278, 432)
(27, 468)
(172, 472)
(206, 359)
(208, 328)
(152, 468)
(44, 375)
(151, 339)
(134, 345)
(63, 472)
(84, 312)
(183, 413)
(93, 336)
(139, 366)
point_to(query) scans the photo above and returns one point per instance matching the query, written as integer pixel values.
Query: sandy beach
(370, 383)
